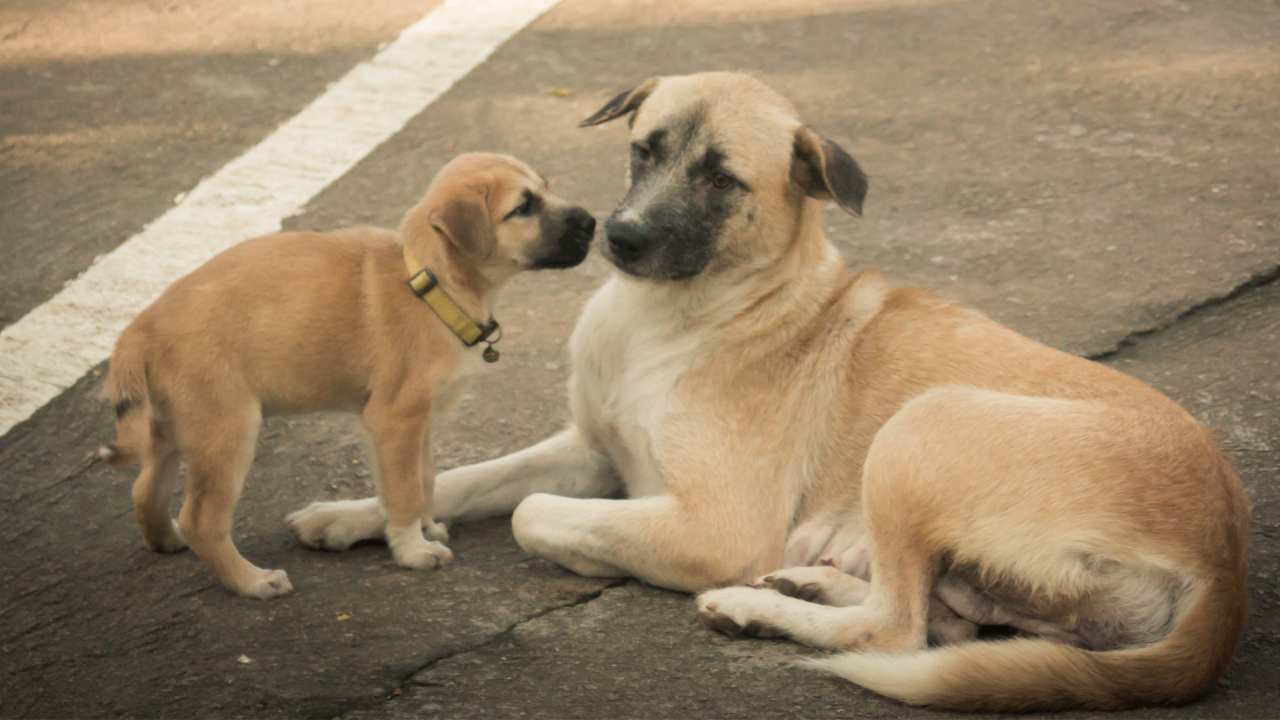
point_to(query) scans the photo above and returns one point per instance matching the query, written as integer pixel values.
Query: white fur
(628, 352)
(909, 677)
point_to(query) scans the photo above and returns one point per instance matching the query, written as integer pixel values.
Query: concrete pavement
(1100, 176)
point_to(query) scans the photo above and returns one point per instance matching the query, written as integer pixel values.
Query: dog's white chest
(627, 361)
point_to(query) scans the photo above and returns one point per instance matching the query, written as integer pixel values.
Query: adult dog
(760, 406)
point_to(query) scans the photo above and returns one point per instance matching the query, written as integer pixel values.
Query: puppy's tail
(1036, 674)
(126, 389)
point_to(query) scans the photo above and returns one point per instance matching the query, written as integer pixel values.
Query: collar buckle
(423, 282)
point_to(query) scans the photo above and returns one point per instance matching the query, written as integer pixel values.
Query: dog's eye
(641, 153)
(720, 181)
(526, 208)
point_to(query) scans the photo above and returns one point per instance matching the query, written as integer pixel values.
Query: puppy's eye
(526, 208)
(720, 181)
(641, 153)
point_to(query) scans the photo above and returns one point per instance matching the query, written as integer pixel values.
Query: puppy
(363, 320)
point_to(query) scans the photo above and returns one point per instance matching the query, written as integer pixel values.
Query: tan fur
(302, 321)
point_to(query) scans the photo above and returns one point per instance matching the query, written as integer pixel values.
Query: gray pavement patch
(1252, 284)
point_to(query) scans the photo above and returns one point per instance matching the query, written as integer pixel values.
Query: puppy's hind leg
(152, 492)
(218, 444)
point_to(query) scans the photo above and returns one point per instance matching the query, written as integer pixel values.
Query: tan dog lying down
(297, 322)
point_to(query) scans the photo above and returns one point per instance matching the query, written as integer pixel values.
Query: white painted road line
(54, 345)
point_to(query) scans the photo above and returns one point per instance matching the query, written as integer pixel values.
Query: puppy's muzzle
(580, 227)
(571, 245)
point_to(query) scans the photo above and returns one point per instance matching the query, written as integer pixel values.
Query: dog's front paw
(337, 525)
(738, 611)
(423, 556)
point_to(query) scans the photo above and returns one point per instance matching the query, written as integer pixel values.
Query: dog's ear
(623, 103)
(825, 171)
(464, 221)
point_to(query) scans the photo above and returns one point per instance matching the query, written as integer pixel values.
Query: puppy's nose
(626, 240)
(581, 221)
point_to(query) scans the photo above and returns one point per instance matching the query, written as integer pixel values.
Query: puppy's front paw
(266, 584)
(423, 556)
(437, 531)
(738, 611)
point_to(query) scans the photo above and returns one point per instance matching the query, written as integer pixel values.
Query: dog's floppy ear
(464, 221)
(623, 103)
(825, 171)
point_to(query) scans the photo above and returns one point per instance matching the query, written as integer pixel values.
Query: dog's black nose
(581, 221)
(626, 240)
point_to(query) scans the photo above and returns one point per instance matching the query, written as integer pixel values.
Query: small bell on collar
(490, 355)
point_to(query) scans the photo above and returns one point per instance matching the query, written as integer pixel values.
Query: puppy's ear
(622, 104)
(465, 222)
(826, 172)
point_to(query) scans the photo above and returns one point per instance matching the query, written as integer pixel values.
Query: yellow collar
(426, 286)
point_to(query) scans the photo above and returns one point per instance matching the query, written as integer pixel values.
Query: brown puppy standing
(298, 322)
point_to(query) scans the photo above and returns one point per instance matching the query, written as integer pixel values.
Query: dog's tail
(1036, 674)
(126, 389)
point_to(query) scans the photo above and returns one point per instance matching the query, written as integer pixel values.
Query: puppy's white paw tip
(424, 556)
(271, 584)
(437, 531)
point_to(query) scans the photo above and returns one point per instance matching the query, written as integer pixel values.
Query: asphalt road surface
(1102, 176)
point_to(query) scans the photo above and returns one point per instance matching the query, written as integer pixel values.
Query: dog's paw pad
(810, 592)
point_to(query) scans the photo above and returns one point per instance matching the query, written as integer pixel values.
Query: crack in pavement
(353, 704)
(1257, 280)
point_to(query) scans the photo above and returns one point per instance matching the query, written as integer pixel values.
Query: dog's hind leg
(895, 613)
(152, 492)
(217, 439)
(822, 584)
(827, 585)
